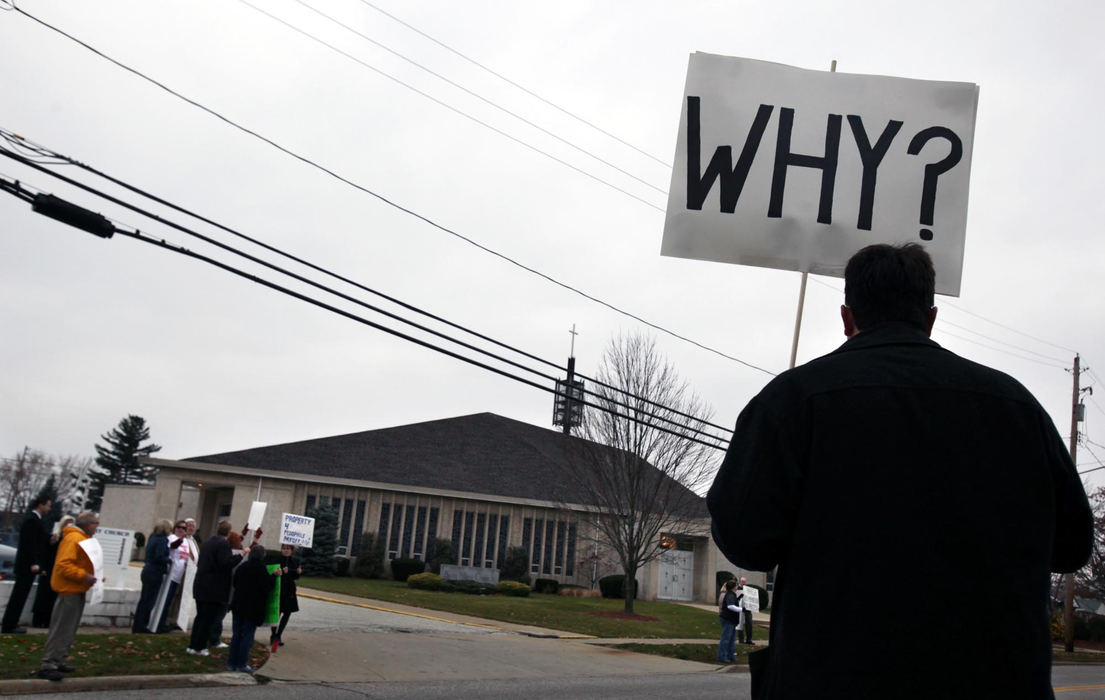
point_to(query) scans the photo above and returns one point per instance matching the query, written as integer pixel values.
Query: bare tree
(26, 475)
(640, 465)
(1090, 580)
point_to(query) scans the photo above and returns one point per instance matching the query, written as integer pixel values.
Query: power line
(15, 188)
(462, 113)
(945, 302)
(941, 322)
(507, 80)
(38, 149)
(441, 77)
(395, 205)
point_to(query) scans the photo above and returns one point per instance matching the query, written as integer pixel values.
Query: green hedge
(470, 587)
(426, 581)
(546, 585)
(513, 588)
(402, 569)
(613, 586)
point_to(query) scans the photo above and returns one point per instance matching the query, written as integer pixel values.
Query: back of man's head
(223, 528)
(890, 283)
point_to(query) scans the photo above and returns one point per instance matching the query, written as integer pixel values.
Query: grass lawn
(121, 654)
(656, 620)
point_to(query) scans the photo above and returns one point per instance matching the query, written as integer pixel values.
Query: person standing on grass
(252, 585)
(290, 570)
(73, 575)
(158, 556)
(46, 595)
(30, 560)
(746, 616)
(729, 613)
(212, 586)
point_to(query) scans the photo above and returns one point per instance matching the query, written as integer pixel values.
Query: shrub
(370, 557)
(513, 588)
(402, 568)
(441, 552)
(515, 565)
(343, 566)
(546, 585)
(720, 577)
(426, 581)
(613, 586)
(471, 587)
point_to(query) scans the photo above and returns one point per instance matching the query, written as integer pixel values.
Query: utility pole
(1068, 597)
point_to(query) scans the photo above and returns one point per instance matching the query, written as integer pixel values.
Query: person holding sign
(874, 467)
(729, 613)
(290, 570)
(746, 615)
(252, 585)
(74, 573)
(158, 558)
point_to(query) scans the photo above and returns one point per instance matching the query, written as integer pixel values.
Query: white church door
(676, 575)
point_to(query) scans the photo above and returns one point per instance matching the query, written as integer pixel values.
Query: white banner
(297, 530)
(797, 169)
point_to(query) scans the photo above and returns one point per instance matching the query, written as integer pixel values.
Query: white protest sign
(751, 599)
(91, 547)
(115, 547)
(796, 169)
(297, 530)
(256, 515)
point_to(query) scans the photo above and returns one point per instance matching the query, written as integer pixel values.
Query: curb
(36, 686)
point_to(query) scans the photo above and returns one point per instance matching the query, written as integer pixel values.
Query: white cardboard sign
(256, 515)
(115, 550)
(797, 169)
(297, 530)
(751, 599)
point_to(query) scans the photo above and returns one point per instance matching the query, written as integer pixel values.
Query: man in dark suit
(211, 588)
(30, 561)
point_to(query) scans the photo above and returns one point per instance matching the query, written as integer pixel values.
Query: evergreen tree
(442, 553)
(118, 461)
(319, 559)
(370, 557)
(515, 566)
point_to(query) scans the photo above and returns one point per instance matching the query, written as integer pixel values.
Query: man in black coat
(211, 588)
(914, 503)
(30, 561)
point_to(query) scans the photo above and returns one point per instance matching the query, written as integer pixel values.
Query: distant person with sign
(874, 467)
(745, 629)
(156, 567)
(74, 574)
(252, 585)
(290, 570)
